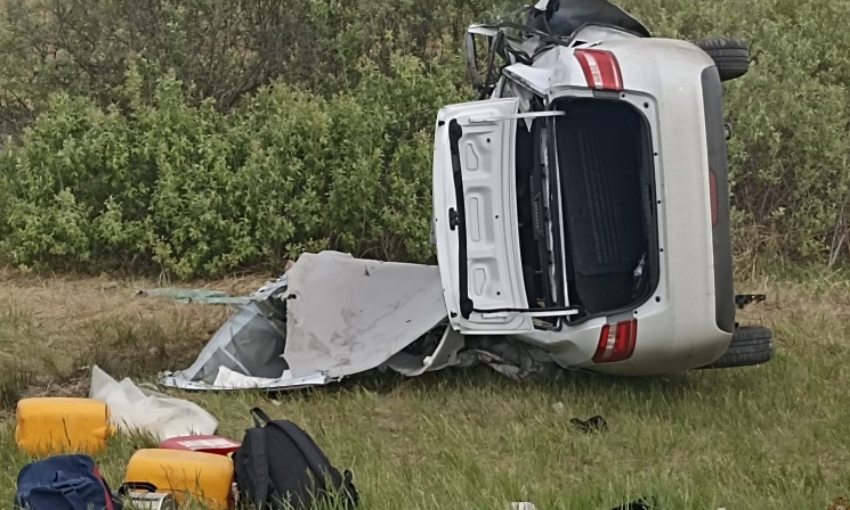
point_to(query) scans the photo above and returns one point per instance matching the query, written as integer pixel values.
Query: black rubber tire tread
(750, 345)
(732, 56)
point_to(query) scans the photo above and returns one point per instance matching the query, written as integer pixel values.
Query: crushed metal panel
(347, 315)
(444, 356)
(510, 357)
(250, 342)
(534, 79)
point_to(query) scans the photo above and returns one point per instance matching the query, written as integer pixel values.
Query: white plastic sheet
(229, 380)
(135, 409)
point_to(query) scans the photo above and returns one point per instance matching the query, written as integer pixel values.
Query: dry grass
(59, 324)
(776, 436)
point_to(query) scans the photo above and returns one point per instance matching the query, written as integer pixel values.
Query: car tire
(731, 56)
(750, 345)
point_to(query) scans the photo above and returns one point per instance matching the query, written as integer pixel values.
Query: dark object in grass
(640, 504)
(743, 300)
(595, 424)
(279, 465)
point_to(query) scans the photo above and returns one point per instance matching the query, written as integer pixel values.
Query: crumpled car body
(581, 204)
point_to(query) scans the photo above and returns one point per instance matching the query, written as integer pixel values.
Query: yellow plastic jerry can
(51, 426)
(205, 477)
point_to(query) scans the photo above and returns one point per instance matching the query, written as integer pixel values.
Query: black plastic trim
(721, 233)
(541, 211)
(466, 304)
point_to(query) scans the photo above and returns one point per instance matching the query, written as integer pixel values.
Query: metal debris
(331, 316)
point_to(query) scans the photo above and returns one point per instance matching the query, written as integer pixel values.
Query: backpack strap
(74, 498)
(111, 502)
(260, 417)
(127, 487)
(307, 447)
(351, 490)
(67, 490)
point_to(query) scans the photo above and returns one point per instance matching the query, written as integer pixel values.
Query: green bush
(199, 137)
(197, 193)
(226, 49)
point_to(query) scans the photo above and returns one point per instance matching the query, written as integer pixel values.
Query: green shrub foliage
(199, 137)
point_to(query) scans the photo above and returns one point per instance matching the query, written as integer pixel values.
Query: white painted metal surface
(662, 78)
(348, 315)
(486, 153)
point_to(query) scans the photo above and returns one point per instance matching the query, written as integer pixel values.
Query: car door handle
(453, 218)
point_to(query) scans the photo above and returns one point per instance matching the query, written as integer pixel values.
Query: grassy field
(776, 436)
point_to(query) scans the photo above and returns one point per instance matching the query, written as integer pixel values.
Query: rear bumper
(670, 339)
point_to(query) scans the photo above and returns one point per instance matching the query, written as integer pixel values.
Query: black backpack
(280, 466)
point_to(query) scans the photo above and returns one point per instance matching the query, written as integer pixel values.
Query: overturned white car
(581, 204)
(581, 218)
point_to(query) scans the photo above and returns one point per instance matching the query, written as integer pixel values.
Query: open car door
(475, 217)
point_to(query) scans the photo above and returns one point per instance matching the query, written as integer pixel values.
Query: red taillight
(617, 344)
(601, 69)
(712, 190)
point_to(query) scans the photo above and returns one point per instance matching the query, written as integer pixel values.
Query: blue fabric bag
(64, 482)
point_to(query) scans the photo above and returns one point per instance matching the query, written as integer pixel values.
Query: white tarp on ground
(332, 316)
(134, 409)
